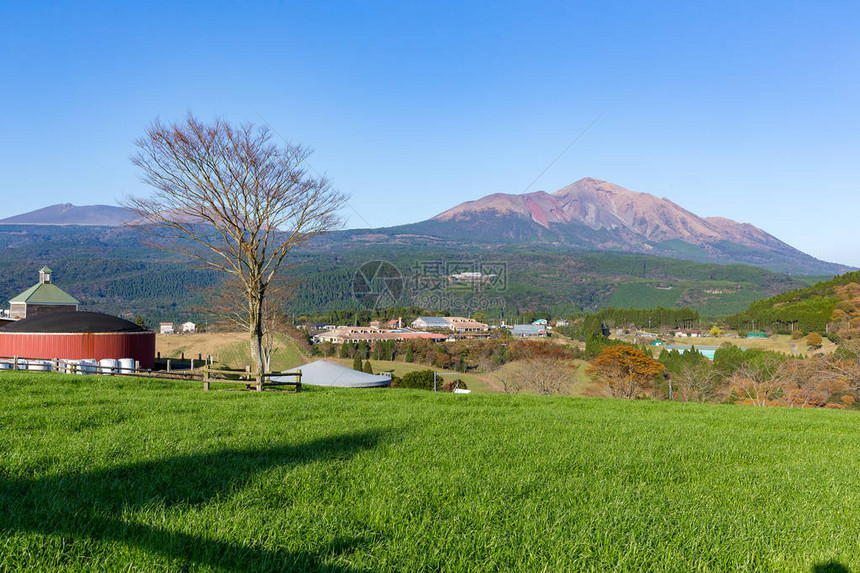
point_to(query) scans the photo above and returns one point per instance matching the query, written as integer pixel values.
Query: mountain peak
(69, 214)
(599, 215)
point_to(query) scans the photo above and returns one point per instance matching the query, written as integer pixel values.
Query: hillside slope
(830, 308)
(148, 475)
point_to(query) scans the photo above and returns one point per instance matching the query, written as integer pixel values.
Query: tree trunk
(256, 331)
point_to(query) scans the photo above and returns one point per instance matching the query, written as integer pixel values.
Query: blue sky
(747, 110)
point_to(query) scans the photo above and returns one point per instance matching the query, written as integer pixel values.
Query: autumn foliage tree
(814, 340)
(627, 371)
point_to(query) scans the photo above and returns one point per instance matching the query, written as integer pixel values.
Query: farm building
(324, 373)
(453, 323)
(431, 323)
(42, 298)
(355, 334)
(189, 327)
(166, 328)
(78, 335)
(528, 330)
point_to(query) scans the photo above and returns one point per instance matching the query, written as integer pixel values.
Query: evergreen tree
(409, 357)
(368, 369)
(592, 345)
(344, 351)
(356, 362)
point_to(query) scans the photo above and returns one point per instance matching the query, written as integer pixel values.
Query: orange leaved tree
(626, 370)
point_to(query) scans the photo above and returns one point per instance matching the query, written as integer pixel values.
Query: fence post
(298, 380)
(14, 363)
(206, 378)
(168, 364)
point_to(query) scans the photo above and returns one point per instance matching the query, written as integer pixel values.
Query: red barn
(76, 335)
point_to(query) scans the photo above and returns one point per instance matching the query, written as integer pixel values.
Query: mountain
(594, 215)
(68, 214)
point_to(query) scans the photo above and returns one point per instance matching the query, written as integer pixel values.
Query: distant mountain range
(68, 214)
(589, 215)
(593, 215)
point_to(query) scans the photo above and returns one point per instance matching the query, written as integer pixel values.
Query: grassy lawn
(113, 474)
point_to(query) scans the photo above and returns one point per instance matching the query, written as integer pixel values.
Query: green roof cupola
(45, 275)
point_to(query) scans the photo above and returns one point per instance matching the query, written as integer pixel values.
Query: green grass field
(113, 474)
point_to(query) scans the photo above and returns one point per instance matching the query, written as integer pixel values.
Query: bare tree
(546, 376)
(761, 381)
(233, 200)
(697, 382)
(227, 301)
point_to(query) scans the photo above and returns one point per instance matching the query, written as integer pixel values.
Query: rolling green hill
(108, 474)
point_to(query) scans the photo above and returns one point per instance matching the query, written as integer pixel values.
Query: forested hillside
(829, 307)
(111, 270)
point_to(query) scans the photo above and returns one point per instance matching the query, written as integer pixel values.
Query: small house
(189, 327)
(529, 330)
(166, 328)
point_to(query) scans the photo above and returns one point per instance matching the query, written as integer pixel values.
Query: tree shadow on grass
(91, 504)
(830, 567)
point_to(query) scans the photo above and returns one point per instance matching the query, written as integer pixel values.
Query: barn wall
(140, 346)
(35, 309)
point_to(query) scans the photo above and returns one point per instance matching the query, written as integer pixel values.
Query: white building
(189, 327)
(166, 328)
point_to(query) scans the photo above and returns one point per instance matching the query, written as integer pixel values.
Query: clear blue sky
(747, 110)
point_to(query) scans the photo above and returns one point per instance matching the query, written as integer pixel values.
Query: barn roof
(529, 329)
(325, 373)
(72, 322)
(45, 293)
(435, 321)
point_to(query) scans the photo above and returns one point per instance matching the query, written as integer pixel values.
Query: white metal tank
(126, 365)
(69, 366)
(88, 366)
(108, 365)
(40, 365)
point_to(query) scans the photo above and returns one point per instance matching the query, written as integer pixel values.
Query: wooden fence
(207, 375)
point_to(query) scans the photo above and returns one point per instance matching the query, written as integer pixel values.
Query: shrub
(420, 379)
(814, 340)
